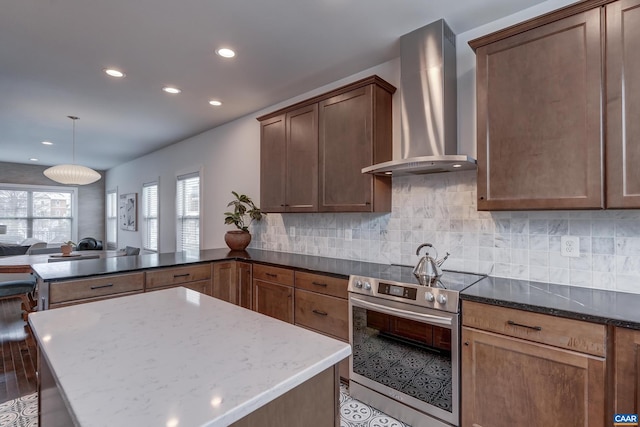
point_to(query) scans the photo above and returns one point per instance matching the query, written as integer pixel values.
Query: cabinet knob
(466, 343)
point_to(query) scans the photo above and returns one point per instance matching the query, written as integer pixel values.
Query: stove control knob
(358, 284)
(429, 297)
(367, 286)
(442, 299)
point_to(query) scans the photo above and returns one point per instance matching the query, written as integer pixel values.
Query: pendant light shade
(72, 174)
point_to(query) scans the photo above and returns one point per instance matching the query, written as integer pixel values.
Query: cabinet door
(273, 158)
(302, 160)
(623, 104)
(346, 137)
(539, 117)
(509, 382)
(273, 300)
(627, 371)
(224, 282)
(244, 283)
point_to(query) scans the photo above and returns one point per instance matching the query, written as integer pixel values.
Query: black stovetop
(453, 280)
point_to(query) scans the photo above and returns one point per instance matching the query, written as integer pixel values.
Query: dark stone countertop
(593, 305)
(52, 272)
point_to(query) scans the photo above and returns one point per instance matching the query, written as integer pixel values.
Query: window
(150, 216)
(38, 212)
(188, 212)
(112, 219)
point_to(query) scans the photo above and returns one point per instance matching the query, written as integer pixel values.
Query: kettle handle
(429, 245)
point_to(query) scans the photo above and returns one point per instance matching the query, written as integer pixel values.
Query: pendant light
(72, 174)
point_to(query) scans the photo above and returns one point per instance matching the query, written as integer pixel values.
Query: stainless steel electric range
(405, 344)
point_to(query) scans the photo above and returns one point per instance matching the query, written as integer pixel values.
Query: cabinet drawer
(322, 284)
(202, 286)
(325, 314)
(570, 334)
(284, 276)
(83, 301)
(176, 276)
(95, 287)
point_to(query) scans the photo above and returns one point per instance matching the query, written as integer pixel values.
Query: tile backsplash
(441, 209)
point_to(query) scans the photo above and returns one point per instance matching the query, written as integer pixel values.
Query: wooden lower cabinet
(202, 286)
(232, 282)
(94, 289)
(244, 279)
(325, 314)
(180, 276)
(273, 299)
(521, 368)
(627, 371)
(321, 305)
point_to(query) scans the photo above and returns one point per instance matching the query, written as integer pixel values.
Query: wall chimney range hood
(428, 80)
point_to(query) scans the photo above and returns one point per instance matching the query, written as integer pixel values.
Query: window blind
(188, 212)
(37, 212)
(150, 216)
(112, 219)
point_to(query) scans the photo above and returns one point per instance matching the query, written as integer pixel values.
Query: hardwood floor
(17, 353)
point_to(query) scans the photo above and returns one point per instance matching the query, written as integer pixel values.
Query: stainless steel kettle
(427, 271)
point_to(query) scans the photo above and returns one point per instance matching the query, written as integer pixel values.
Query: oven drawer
(283, 276)
(327, 285)
(560, 332)
(95, 287)
(325, 314)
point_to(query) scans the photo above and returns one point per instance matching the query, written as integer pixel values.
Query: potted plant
(243, 209)
(67, 247)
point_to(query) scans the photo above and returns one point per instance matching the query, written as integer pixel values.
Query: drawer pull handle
(108, 285)
(270, 275)
(535, 328)
(324, 285)
(321, 313)
(175, 276)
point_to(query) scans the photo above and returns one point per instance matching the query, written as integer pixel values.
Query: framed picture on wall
(128, 215)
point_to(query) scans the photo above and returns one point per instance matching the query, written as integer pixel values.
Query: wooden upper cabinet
(312, 153)
(623, 104)
(539, 117)
(273, 161)
(355, 132)
(302, 160)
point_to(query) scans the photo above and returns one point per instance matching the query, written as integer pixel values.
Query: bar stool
(25, 289)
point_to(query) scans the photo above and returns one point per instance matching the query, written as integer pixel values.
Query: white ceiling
(52, 53)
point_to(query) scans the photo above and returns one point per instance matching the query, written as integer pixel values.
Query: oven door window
(412, 357)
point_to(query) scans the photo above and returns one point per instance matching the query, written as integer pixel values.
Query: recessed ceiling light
(226, 52)
(215, 103)
(114, 73)
(47, 143)
(172, 90)
(33, 159)
(457, 165)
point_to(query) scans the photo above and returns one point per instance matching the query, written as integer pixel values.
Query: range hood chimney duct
(429, 105)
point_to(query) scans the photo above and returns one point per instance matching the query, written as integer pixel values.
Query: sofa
(9, 250)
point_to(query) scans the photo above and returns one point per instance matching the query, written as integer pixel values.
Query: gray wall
(91, 198)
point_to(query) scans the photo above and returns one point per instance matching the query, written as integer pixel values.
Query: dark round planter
(237, 240)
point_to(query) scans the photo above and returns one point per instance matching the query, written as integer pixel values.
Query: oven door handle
(420, 317)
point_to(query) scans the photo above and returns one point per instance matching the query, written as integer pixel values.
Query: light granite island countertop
(177, 358)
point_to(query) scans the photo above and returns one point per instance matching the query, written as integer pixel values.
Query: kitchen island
(179, 358)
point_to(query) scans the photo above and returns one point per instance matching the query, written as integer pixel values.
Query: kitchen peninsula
(179, 358)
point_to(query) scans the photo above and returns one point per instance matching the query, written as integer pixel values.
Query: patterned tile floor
(23, 412)
(354, 413)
